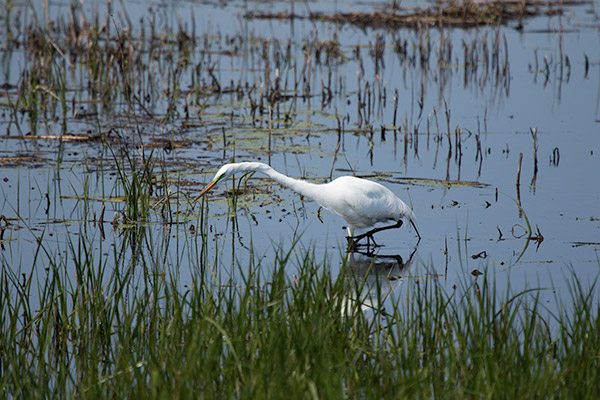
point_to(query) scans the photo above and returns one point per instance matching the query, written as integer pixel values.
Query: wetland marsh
(483, 117)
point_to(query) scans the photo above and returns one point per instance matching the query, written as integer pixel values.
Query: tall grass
(121, 326)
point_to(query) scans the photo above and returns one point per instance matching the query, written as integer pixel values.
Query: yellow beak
(206, 189)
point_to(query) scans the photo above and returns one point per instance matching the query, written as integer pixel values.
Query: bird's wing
(362, 203)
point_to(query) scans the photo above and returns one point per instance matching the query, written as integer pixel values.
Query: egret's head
(225, 172)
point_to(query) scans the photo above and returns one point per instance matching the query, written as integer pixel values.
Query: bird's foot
(354, 243)
(370, 239)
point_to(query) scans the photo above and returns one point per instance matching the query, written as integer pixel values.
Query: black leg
(369, 235)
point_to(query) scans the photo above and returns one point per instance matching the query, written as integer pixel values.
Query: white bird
(361, 202)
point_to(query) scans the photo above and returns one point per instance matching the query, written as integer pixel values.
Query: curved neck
(307, 189)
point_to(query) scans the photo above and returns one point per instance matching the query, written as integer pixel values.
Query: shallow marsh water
(450, 146)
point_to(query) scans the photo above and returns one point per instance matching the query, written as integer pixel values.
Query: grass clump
(132, 331)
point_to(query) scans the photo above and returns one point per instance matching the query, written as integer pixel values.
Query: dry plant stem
(519, 170)
(395, 108)
(519, 182)
(535, 159)
(446, 256)
(270, 130)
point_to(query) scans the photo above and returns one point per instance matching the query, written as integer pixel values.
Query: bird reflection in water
(373, 278)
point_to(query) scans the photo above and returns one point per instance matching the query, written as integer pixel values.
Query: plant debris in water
(464, 14)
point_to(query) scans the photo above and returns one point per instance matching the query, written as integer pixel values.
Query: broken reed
(124, 65)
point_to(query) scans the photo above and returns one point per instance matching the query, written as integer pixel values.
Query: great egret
(361, 202)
